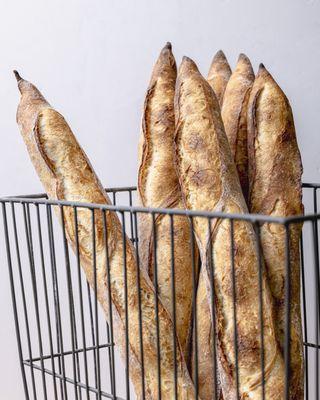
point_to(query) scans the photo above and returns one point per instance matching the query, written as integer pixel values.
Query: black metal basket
(66, 348)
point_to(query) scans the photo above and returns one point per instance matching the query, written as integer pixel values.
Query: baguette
(234, 117)
(158, 186)
(66, 174)
(209, 181)
(219, 75)
(275, 189)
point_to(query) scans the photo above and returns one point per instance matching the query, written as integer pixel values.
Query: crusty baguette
(219, 75)
(158, 186)
(234, 116)
(209, 181)
(275, 179)
(67, 174)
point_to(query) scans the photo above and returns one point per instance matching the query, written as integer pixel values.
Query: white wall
(92, 60)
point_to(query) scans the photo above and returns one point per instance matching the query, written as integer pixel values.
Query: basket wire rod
(211, 271)
(93, 339)
(131, 217)
(174, 314)
(125, 288)
(156, 301)
(317, 287)
(139, 305)
(56, 297)
(194, 309)
(149, 210)
(68, 353)
(109, 359)
(287, 331)
(78, 371)
(261, 311)
(29, 239)
(46, 298)
(83, 332)
(69, 285)
(234, 298)
(111, 349)
(96, 314)
(72, 382)
(13, 297)
(305, 327)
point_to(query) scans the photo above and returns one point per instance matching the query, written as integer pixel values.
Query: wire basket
(66, 348)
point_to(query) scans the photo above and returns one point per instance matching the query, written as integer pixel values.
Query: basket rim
(41, 199)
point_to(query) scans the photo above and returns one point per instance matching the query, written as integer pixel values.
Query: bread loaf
(275, 189)
(209, 181)
(234, 116)
(67, 174)
(219, 74)
(158, 186)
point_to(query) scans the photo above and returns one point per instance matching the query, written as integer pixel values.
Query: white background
(92, 60)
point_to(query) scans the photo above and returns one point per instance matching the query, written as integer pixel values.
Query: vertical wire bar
(126, 303)
(174, 314)
(317, 285)
(212, 308)
(56, 296)
(69, 285)
(131, 217)
(305, 327)
(92, 337)
(139, 305)
(110, 359)
(114, 198)
(96, 316)
(194, 310)
(260, 278)
(84, 342)
(156, 301)
(111, 348)
(287, 314)
(234, 297)
(13, 297)
(45, 286)
(27, 226)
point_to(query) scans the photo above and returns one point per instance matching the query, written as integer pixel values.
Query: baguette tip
(17, 75)
(243, 57)
(168, 46)
(220, 55)
(261, 67)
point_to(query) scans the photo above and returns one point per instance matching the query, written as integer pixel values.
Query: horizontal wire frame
(66, 341)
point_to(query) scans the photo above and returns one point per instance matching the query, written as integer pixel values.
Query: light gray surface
(92, 60)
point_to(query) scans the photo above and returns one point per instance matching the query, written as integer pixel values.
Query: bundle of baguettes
(67, 174)
(223, 144)
(204, 161)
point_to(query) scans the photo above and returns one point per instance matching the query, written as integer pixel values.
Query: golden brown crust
(209, 182)
(219, 75)
(67, 174)
(158, 186)
(275, 189)
(234, 117)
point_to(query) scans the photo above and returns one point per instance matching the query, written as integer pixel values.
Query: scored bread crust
(158, 186)
(67, 174)
(219, 75)
(275, 189)
(234, 116)
(209, 181)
